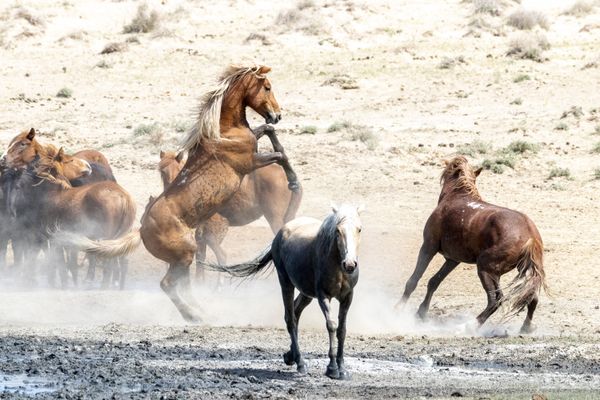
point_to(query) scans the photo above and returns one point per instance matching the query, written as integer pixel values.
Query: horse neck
(449, 191)
(233, 109)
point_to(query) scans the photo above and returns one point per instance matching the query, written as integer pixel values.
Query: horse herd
(66, 204)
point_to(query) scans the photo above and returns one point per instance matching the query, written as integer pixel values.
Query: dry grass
(300, 18)
(491, 7)
(64, 93)
(449, 63)
(528, 46)
(144, 21)
(29, 17)
(355, 132)
(579, 8)
(528, 19)
(343, 81)
(114, 47)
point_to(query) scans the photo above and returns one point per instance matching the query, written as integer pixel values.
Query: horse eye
(268, 89)
(359, 230)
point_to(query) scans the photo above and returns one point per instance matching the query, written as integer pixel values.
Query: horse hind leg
(169, 284)
(528, 326)
(490, 283)
(290, 357)
(433, 284)
(123, 268)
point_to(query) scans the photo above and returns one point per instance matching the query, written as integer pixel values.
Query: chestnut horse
(102, 210)
(222, 149)
(464, 228)
(262, 192)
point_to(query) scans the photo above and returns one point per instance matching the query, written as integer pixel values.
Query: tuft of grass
(575, 111)
(522, 147)
(146, 129)
(29, 17)
(103, 64)
(528, 46)
(491, 7)
(144, 21)
(528, 19)
(596, 130)
(518, 101)
(558, 172)
(596, 148)
(597, 174)
(181, 126)
(298, 19)
(64, 93)
(474, 148)
(114, 47)
(579, 8)
(522, 77)
(304, 4)
(497, 164)
(448, 62)
(308, 130)
(561, 127)
(338, 126)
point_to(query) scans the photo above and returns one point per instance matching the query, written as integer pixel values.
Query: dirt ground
(374, 95)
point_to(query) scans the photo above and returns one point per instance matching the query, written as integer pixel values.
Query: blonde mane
(207, 125)
(461, 176)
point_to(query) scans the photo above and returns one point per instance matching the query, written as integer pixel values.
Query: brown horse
(222, 149)
(262, 192)
(24, 149)
(464, 228)
(102, 210)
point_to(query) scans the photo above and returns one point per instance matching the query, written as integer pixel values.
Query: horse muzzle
(272, 118)
(349, 266)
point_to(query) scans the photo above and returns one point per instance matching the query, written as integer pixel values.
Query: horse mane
(49, 170)
(461, 176)
(328, 231)
(207, 125)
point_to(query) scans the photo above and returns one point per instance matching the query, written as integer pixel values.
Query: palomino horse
(464, 228)
(102, 210)
(262, 192)
(320, 260)
(222, 149)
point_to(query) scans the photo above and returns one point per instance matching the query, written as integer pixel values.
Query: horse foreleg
(169, 284)
(263, 159)
(433, 284)
(332, 369)
(290, 174)
(490, 283)
(425, 256)
(341, 336)
(294, 355)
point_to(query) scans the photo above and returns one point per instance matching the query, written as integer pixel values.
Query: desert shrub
(558, 172)
(579, 8)
(144, 21)
(528, 46)
(355, 132)
(64, 93)
(596, 130)
(474, 148)
(449, 62)
(561, 126)
(338, 126)
(596, 148)
(528, 19)
(517, 102)
(521, 78)
(114, 47)
(597, 174)
(29, 17)
(491, 7)
(308, 130)
(146, 129)
(521, 147)
(497, 164)
(300, 19)
(103, 64)
(574, 111)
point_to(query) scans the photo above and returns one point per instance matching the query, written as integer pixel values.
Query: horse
(101, 170)
(262, 192)
(222, 149)
(102, 210)
(465, 228)
(320, 259)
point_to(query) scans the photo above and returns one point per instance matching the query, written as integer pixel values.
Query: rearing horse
(222, 149)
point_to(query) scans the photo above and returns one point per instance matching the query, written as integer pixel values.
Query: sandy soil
(374, 64)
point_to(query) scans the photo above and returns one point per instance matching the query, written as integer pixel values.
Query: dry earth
(415, 81)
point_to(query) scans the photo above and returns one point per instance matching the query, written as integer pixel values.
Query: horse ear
(31, 134)
(263, 69)
(60, 155)
(334, 207)
(478, 171)
(162, 154)
(179, 156)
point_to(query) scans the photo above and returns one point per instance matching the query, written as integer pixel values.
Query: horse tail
(530, 279)
(294, 204)
(102, 248)
(244, 270)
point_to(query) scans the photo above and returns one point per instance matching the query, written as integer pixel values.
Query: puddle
(24, 384)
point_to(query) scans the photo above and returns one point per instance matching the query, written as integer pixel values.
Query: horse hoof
(345, 375)
(288, 359)
(527, 329)
(422, 315)
(332, 372)
(301, 369)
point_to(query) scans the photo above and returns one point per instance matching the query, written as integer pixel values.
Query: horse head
(259, 96)
(22, 150)
(348, 228)
(169, 166)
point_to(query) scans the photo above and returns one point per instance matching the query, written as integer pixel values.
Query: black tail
(246, 269)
